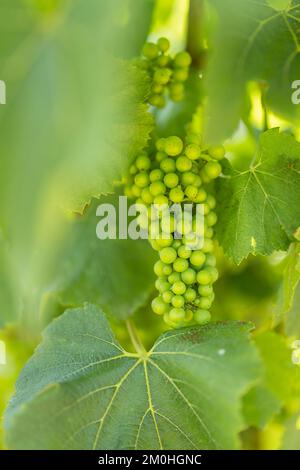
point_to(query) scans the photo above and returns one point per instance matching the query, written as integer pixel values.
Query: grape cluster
(168, 74)
(178, 172)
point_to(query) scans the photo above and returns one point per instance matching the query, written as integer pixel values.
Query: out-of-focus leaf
(257, 214)
(254, 40)
(292, 325)
(291, 438)
(185, 393)
(291, 277)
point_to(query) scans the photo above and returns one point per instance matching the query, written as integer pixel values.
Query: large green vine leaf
(81, 390)
(259, 208)
(255, 40)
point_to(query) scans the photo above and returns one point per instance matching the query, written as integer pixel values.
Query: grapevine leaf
(254, 40)
(277, 386)
(259, 208)
(292, 326)
(291, 438)
(81, 390)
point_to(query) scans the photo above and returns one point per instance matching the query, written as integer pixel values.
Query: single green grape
(184, 252)
(161, 200)
(205, 303)
(177, 301)
(197, 258)
(176, 88)
(183, 163)
(174, 277)
(176, 195)
(187, 178)
(150, 50)
(156, 175)
(168, 255)
(201, 196)
(143, 162)
(171, 180)
(167, 296)
(208, 245)
(160, 144)
(162, 285)
(180, 265)
(157, 100)
(173, 146)
(205, 291)
(203, 277)
(162, 76)
(177, 315)
(190, 295)
(188, 276)
(141, 179)
(213, 169)
(210, 260)
(179, 288)
(211, 219)
(133, 170)
(213, 273)
(157, 187)
(181, 74)
(182, 59)
(163, 44)
(159, 306)
(202, 316)
(168, 165)
(193, 151)
(146, 196)
(136, 191)
(191, 192)
(217, 152)
(160, 156)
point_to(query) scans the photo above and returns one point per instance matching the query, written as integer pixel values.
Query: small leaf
(81, 390)
(259, 209)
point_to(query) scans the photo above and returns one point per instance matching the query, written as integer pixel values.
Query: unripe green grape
(209, 232)
(154, 245)
(205, 303)
(213, 273)
(193, 151)
(128, 192)
(191, 192)
(176, 315)
(173, 146)
(156, 175)
(204, 277)
(193, 138)
(163, 44)
(213, 169)
(157, 100)
(176, 88)
(190, 295)
(217, 152)
(167, 270)
(162, 60)
(162, 76)
(201, 196)
(205, 178)
(159, 268)
(162, 285)
(211, 219)
(133, 170)
(150, 50)
(143, 162)
(136, 191)
(197, 258)
(188, 276)
(197, 181)
(187, 178)
(211, 201)
(205, 291)
(168, 165)
(167, 296)
(182, 59)
(157, 89)
(171, 180)
(180, 265)
(183, 163)
(142, 220)
(159, 306)
(160, 144)
(210, 260)
(147, 196)
(157, 187)
(168, 255)
(141, 179)
(181, 74)
(202, 317)
(176, 97)
(208, 245)
(188, 315)
(179, 288)
(160, 156)
(164, 242)
(177, 301)
(177, 244)
(184, 252)
(184, 227)
(161, 200)
(176, 195)
(174, 277)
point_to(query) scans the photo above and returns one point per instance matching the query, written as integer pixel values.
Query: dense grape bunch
(179, 172)
(167, 73)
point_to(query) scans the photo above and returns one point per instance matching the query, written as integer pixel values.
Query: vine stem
(139, 347)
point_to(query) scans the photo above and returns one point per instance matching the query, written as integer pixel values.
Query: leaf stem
(139, 347)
